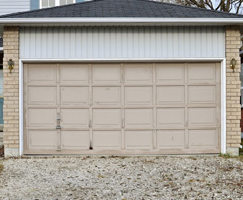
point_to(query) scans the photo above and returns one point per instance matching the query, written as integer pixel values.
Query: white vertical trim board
(21, 107)
(223, 106)
(223, 86)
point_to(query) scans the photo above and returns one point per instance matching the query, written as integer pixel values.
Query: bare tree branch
(220, 4)
(238, 8)
(235, 6)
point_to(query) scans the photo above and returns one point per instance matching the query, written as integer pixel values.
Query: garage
(125, 77)
(121, 108)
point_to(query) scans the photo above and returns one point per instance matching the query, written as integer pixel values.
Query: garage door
(122, 108)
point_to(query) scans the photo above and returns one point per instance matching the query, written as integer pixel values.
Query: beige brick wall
(11, 92)
(233, 107)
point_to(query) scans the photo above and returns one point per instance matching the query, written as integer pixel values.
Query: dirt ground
(124, 178)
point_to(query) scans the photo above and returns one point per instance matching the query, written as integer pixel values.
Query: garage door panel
(201, 94)
(171, 117)
(138, 95)
(42, 95)
(137, 118)
(201, 73)
(75, 118)
(202, 117)
(202, 139)
(110, 118)
(138, 140)
(42, 139)
(169, 73)
(135, 73)
(122, 107)
(74, 95)
(106, 95)
(44, 117)
(106, 140)
(74, 73)
(170, 95)
(170, 139)
(106, 73)
(74, 140)
(42, 73)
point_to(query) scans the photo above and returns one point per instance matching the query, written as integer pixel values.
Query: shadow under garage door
(121, 108)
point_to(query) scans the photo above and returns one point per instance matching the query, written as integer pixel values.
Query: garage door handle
(58, 127)
(58, 121)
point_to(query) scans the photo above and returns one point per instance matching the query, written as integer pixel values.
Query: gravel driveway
(122, 178)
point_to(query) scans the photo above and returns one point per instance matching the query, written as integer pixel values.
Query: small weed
(226, 155)
(240, 158)
(241, 150)
(1, 168)
(101, 176)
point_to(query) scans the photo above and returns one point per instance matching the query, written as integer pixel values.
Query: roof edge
(136, 22)
(119, 20)
(93, 1)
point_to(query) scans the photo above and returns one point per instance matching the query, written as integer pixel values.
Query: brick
(233, 84)
(11, 89)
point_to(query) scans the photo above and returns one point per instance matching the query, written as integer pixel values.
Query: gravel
(122, 178)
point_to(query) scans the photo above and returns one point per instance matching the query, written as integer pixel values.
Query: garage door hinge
(90, 123)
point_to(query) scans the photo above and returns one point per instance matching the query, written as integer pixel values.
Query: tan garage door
(122, 108)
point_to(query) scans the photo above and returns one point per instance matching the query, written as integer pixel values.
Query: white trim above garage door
(121, 42)
(21, 101)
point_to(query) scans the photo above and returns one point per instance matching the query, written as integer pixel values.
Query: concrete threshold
(114, 156)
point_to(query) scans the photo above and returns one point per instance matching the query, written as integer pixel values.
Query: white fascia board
(126, 20)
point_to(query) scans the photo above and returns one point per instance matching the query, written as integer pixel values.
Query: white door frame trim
(223, 86)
